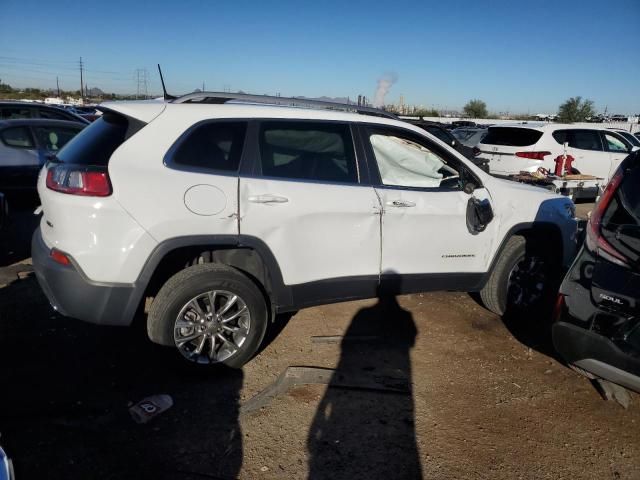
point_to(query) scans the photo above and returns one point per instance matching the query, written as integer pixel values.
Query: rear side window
(308, 151)
(17, 137)
(13, 113)
(580, 139)
(54, 138)
(212, 146)
(512, 136)
(95, 144)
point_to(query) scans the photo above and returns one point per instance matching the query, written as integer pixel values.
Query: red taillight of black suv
(595, 241)
(79, 180)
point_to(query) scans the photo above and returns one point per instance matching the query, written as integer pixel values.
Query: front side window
(17, 137)
(308, 151)
(615, 144)
(54, 138)
(405, 161)
(212, 146)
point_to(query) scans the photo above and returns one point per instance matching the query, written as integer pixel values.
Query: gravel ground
(427, 385)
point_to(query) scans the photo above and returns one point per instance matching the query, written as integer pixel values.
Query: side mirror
(469, 188)
(479, 215)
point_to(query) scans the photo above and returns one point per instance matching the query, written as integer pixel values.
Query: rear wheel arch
(249, 255)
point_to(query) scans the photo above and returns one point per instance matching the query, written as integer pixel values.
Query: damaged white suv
(219, 213)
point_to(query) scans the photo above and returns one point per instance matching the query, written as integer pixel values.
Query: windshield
(512, 136)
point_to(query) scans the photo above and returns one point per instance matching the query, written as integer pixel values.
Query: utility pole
(81, 83)
(58, 86)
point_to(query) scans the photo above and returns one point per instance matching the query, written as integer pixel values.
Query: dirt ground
(422, 386)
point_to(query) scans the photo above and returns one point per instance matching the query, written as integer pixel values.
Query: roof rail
(224, 97)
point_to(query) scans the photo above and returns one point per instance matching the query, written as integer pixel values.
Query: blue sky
(517, 56)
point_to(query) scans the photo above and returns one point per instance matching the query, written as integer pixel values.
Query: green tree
(476, 109)
(575, 110)
(425, 112)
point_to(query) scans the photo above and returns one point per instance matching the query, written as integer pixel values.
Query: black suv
(597, 327)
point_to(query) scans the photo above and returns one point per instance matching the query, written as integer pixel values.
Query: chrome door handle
(401, 203)
(268, 198)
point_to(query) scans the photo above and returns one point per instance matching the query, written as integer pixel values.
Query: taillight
(558, 307)
(533, 155)
(79, 180)
(59, 257)
(475, 151)
(595, 241)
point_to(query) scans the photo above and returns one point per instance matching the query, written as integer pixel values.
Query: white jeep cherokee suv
(513, 148)
(220, 213)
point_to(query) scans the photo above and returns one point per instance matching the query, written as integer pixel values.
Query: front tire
(521, 279)
(212, 313)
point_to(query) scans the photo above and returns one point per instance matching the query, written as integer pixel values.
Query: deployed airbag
(405, 163)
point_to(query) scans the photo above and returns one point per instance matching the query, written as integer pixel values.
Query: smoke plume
(384, 85)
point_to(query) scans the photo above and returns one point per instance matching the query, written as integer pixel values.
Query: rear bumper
(73, 295)
(596, 354)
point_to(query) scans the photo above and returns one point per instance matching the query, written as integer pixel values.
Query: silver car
(469, 136)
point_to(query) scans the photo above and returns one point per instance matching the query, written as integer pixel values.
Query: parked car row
(514, 148)
(24, 110)
(601, 118)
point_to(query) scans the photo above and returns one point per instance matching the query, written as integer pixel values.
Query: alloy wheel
(212, 327)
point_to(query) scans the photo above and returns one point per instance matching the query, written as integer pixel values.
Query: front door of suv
(306, 197)
(425, 236)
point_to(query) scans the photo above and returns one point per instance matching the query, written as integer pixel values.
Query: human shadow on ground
(66, 389)
(363, 433)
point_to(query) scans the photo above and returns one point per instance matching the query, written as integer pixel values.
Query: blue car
(25, 145)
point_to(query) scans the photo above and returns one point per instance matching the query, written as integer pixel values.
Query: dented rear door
(304, 199)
